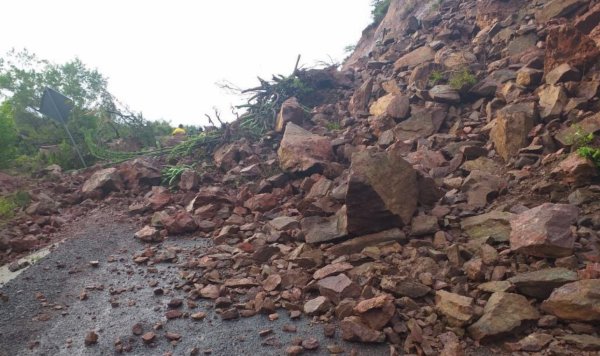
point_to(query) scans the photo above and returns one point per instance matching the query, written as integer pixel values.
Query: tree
(8, 135)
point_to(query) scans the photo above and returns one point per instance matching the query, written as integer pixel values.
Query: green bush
(380, 8)
(461, 79)
(8, 204)
(592, 153)
(8, 135)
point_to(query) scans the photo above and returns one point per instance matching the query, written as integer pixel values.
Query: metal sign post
(58, 107)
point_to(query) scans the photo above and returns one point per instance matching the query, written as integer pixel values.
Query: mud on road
(50, 307)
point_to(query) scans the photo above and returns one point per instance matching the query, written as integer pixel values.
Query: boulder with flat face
(544, 231)
(539, 284)
(291, 111)
(382, 192)
(502, 313)
(301, 151)
(513, 123)
(575, 301)
(102, 182)
(420, 55)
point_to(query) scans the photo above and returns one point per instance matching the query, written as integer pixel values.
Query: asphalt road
(42, 313)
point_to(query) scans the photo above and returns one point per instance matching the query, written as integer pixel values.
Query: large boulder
(575, 301)
(544, 231)
(539, 284)
(553, 99)
(302, 151)
(558, 8)
(102, 182)
(420, 55)
(513, 123)
(382, 192)
(139, 173)
(360, 99)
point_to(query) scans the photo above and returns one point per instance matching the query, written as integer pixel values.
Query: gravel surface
(42, 311)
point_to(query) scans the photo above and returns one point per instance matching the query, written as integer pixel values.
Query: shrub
(461, 79)
(380, 8)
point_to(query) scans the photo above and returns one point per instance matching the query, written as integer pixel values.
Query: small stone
(318, 305)
(173, 314)
(148, 337)
(310, 344)
(172, 336)
(294, 350)
(137, 329)
(198, 316)
(230, 314)
(91, 338)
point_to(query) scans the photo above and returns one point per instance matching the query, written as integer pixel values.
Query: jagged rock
(553, 99)
(558, 8)
(332, 269)
(354, 329)
(544, 231)
(420, 55)
(319, 229)
(404, 287)
(575, 301)
(139, 173)
(282, 223)
(588, 21)
(513, 123)
(575, 170)
(481, 188)
(318, 305)
(291, 111)
(502, 313)
(301, 150)
(262, 202)
(159, 198)
(180, 223)
(494, 225)
(531, 343)
(102, 182)
(399, 107)
(422, 123)
(521, 44)
(565, 44)
(529, 77)
(357, 244)
(148, 234)
(336, 288)
(424, 225)
(457, 309)
(380, 106)
(490, 11)
(189, 180)
(360, 99)
(382, 192)
(568, 135)
(583, 342)
(376, 312)
(540, 284)
(444, 94)
(227, 156)
(563, 73)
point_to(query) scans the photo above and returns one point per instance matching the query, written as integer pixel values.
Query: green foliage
(464, 78)
(580, 138)
(263, 106)
(349, 49)
(436, 4)
(10, 203)
(436, 77)
(23, 78)
(331, 126)
(593, 153)
(171, 174)
(8, 135)
(380, 8)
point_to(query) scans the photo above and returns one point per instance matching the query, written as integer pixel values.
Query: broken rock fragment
(575, 301)
(540, 284)
(502, 313)
(148, 234)
(544, 231)
(457, 309)
(336, 288)
(301, 150)
(354, 329)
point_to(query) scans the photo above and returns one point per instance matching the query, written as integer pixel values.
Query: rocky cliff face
(435, 201)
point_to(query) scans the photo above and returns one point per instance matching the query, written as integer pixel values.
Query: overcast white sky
(164, 57)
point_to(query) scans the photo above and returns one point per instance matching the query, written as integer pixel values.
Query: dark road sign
(56, 106)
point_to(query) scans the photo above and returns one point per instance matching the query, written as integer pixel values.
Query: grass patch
(436, 77)
(10, 203)
(461, 79)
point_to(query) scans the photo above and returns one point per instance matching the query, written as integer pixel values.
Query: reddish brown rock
(588, 21)
(148, 337)
(513, 123)
(148, 234)
(291, 111)
(336, 288)
(575, 169)
(382, 192)
(102, 182)
(575, 301)
(91, 338)
(357, 244)
(353, 329)
(399, 107)
(160, 198)
(544, 231)
(540, 284)
(376, 312)
(502, 313)
(360, 99)
(316, 306)
(139, 173)
(458, 309)
(261, 202)
(180, 223)
(301, 150)
(189, 180)
(565, 44)
(420, 55)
